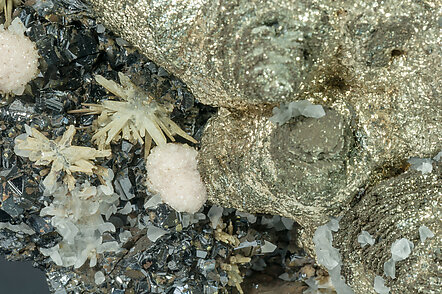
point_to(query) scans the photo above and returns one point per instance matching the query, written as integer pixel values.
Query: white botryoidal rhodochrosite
(172, 172)
(18, 59)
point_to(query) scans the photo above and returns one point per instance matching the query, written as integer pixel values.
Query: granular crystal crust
(18, 59)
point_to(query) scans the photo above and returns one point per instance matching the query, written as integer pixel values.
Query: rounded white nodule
(18, 59)
(172, 172)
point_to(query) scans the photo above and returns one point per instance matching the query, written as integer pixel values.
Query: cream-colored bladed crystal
(60, 154)
(133, 119)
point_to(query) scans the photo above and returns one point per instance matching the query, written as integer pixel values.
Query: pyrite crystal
(395, 208)
(375, 67)
(305, 169)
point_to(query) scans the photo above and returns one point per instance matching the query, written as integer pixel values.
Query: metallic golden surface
(305, 169)
(380, 61)
(374, 65)
(395, 209)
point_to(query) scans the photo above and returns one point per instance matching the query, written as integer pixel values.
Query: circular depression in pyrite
(311, 157)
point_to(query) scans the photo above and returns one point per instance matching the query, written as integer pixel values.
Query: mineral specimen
(77, 216)
(285, 112)
(248, 57)
(373, 66)
(19, 58)
(60, 154)
(393, 211)
(135, 118)
(172, 172)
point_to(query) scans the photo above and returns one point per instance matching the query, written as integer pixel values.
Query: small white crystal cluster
(365, 238)
(285, 112)
(77, 216)
(18, 58)
(401, 249)
(424, 165)
(60, 154)
(329, 257)
(172, 172)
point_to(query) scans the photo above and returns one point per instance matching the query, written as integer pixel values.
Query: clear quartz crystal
(425, 233)
(99, 277)
(329, 257)
(333, 224)
(77, 216)
(390, 268)
(215, 213)
(424, 165)
(365, 238)
(401, 249)
(379, 286)
(268, 247)
(154, 233)
(250, 217)
(288, 223)
(125, 236)
(153, 201)
(285, 112)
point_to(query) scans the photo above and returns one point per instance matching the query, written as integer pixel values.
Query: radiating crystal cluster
(60, 154)
(137, 119)
(78, 208)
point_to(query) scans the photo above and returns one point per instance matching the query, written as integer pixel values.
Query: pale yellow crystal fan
(133, 119)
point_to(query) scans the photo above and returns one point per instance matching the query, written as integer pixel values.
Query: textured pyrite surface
(374, 66)
(394, 209)
(304, 169)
